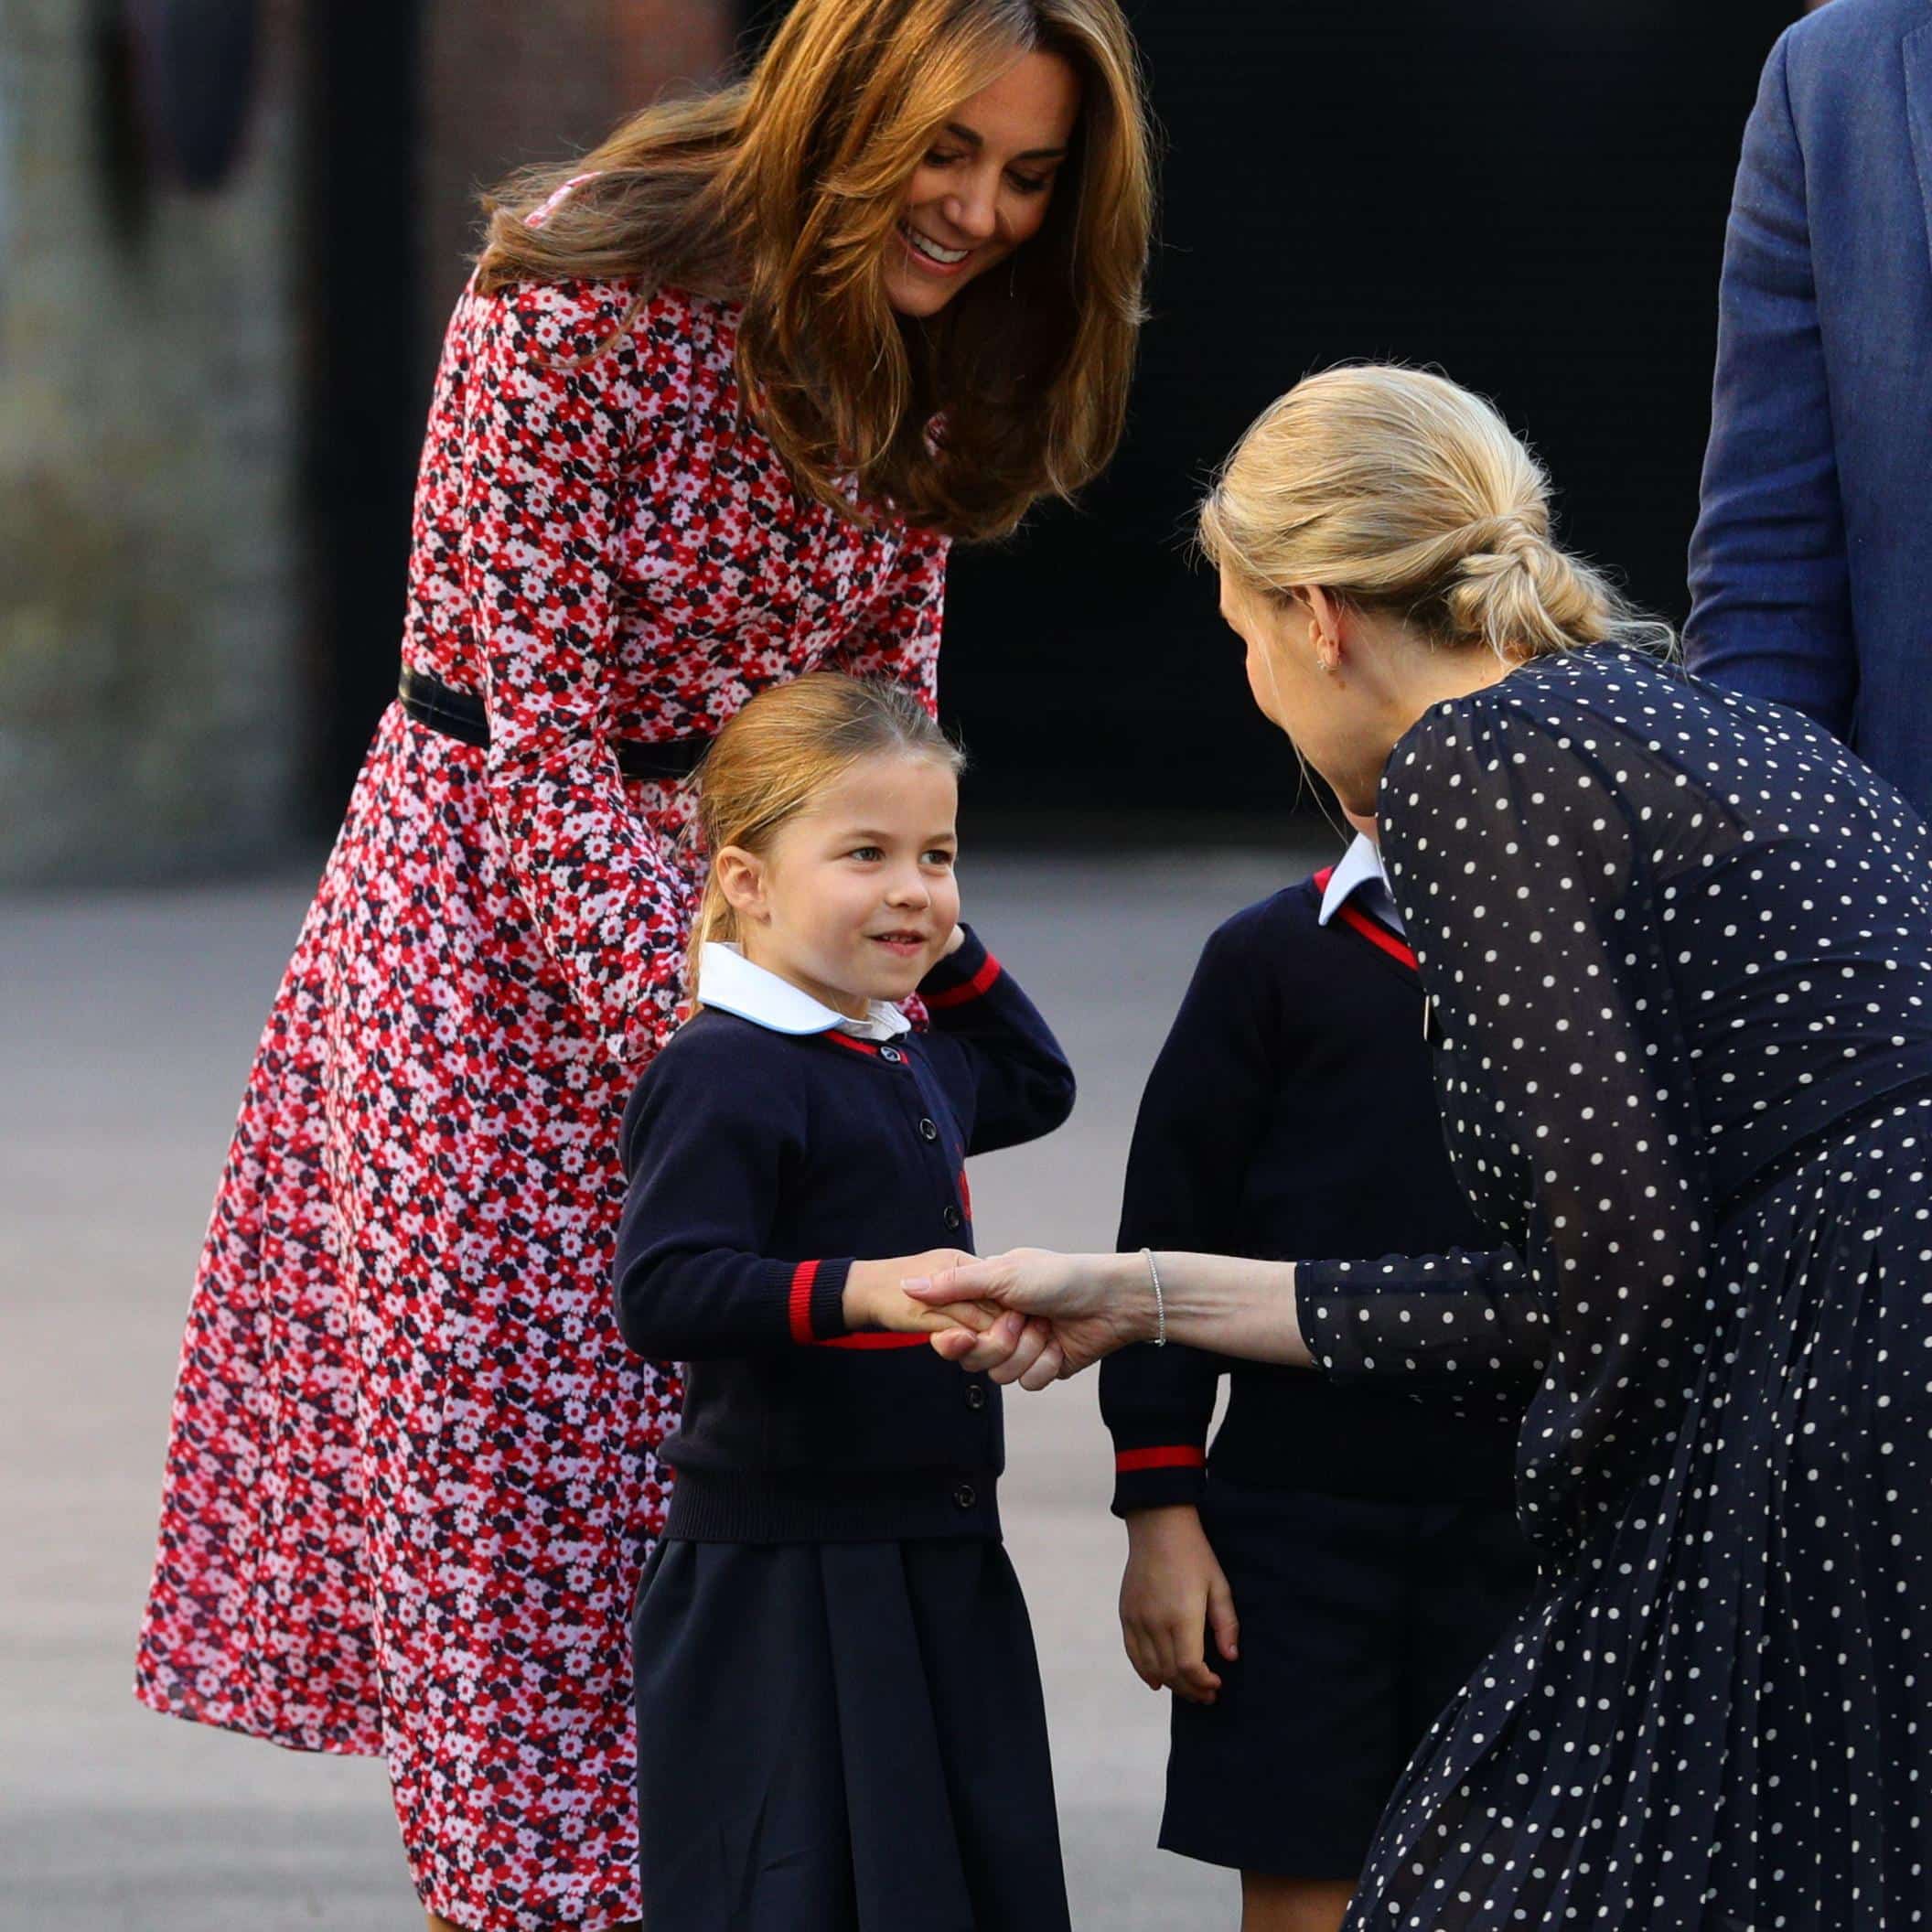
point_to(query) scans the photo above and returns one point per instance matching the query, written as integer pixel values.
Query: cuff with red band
(961, 978)
(1158, 1476)
(815, 1301)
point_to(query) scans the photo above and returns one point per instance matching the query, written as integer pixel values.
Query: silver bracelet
(1160, 1305)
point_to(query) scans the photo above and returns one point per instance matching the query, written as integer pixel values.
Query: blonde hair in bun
(1398, 491)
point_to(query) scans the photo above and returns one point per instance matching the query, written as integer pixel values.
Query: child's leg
(1271, 1903)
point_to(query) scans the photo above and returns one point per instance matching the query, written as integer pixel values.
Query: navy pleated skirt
(842, 1737)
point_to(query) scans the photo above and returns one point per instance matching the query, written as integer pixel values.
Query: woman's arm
(550, 430)
(1095, 1303)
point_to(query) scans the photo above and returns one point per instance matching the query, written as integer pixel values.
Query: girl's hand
(1173, 1593)
(1081, 1306)
(874, 1298)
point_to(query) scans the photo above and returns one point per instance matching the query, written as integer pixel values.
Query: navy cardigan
(761, 1164)
(1290, 1114)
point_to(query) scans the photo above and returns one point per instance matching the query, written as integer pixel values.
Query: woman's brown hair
(778, 753)
(782, 192)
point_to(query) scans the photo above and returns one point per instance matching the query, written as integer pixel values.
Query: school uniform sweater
(761, 1162)
(1292, 1115)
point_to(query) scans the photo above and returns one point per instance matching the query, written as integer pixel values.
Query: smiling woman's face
(983, 188)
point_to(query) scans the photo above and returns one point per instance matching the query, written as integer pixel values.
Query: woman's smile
(931, 256)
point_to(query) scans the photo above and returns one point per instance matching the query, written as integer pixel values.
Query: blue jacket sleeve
(706, 1151)
(1770, 610)
(1020, 1083)
(1205, 1108)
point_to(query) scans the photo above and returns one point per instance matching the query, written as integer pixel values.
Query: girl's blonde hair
(779, 753)
(783, 193)
(1396, 490)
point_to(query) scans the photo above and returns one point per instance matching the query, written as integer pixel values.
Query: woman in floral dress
(707, 417)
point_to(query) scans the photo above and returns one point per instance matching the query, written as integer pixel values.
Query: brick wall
(506, 85)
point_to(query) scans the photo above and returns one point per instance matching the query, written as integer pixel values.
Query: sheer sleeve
(1514, 847)
(557, 406)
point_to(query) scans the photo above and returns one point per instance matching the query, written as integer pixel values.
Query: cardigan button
(929, 1131)
(951, 1217)
(965, 1496)
(892, 1054)
(976, 1396)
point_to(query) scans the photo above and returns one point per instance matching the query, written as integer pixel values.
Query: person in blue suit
(1810, 568)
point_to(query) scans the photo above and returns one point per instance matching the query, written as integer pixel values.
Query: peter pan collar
(732, 983)
(1357, 868)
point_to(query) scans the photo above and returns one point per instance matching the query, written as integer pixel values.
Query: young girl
(1314, 1594)
(839, 1714)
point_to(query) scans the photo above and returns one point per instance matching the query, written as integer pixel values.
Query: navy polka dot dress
(1679, 953)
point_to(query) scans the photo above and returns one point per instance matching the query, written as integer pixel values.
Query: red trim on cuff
(798, 1304)
(872, 1339)
(1130, 1461)
(972, 989)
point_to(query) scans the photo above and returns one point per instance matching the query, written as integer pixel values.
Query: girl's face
(984, 184)
(854, 899)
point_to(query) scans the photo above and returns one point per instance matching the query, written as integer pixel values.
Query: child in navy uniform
(1315, 1591)
(839, 1724)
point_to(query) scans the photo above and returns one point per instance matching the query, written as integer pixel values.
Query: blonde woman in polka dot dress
(1678, 949)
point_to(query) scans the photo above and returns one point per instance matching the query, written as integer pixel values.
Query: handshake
(1029, 1316)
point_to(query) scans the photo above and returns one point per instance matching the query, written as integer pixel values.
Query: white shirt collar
(1360, 865)
(732, 983)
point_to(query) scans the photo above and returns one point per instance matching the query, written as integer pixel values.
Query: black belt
(459, 714)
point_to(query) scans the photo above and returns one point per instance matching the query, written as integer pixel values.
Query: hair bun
(1514, 590)
(1507, 538)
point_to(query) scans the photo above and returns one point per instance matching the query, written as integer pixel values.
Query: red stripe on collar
(850, 1039)
(1376, 934)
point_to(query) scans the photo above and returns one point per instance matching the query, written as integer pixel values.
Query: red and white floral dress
(412, 1477)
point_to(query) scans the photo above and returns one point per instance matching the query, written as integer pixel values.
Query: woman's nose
(975, 212)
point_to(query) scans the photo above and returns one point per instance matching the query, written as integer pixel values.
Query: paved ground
(126, 1028)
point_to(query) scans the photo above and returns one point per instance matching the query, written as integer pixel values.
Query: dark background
(1527, 194)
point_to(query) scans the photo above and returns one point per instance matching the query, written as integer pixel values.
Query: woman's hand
(874, 1297)
(1172, 1593)
(1071, 1309)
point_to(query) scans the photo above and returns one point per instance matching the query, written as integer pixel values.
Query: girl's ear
(740, 878)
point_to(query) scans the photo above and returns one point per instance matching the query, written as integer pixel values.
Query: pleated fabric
(842, 1737)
